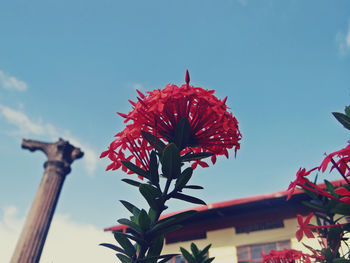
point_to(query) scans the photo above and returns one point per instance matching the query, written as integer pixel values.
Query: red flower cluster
(344, 158)
(212, 128)
(289, 256)
(305, 227)
(299, 181)
(137, 146)
(341, 165)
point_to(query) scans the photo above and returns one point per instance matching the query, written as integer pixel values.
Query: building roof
(243, 213)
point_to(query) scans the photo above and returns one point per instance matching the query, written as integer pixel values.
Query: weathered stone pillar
(60, 156)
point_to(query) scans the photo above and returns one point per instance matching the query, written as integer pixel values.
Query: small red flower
(304, 227)
(131, 143)
(299, 181)
(343, 154)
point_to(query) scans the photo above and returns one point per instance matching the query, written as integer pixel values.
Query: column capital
(60, 154)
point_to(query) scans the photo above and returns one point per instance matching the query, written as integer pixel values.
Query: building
(240, 229)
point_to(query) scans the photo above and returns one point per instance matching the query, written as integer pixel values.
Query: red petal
(132, 103)
(187, 78)
(307, 220)
(110, 166)
(345, 199)
(299, 235)
(309, 233)
(140, 94)
(203, 164)
(104, 154)
(300, 220)
(342, 191)
(122, 115)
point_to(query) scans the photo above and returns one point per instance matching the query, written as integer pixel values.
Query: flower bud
(187, 78)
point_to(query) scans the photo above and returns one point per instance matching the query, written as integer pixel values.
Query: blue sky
(67, 67)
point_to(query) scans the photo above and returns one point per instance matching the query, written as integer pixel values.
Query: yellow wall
(225, 241)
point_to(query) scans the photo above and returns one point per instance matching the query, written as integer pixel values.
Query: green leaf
(125, 244)
(136, 239)
(315, 204)
(156, 247)
(155, 142)
(144, 220)
(341, 209)
(129, 206)
(204, 251)
(188, 198)
(152, 214)
(334, 237)
(347, 111)
(124, 259)
(135, 169)
(168, 258)
(182, 133)
(115, 248)
(175, 219)
(195, 156)
(187, 255)
(172, 228)
(171, 163)
(346, 227)
(341, 260)
(197, 187)
(343, 119)
(131, 224)
(194, 249)
(131, 182)
(208, 260)
(136, 213)
(183, 179)
(329, 186)
(152, 196)
(153, 168)
(165, 258)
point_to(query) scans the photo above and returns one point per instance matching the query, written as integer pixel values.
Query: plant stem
(143, 249)
(166, 188)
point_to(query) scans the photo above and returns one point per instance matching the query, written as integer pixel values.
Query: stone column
(60, 156)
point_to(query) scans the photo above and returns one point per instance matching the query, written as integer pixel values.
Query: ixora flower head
(290, 255)
(191, 117)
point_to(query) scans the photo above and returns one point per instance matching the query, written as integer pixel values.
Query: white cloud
(27, 127)
(343, 41)
(10, 82)
(67, 241)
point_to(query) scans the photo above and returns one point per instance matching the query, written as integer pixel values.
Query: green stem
(143, 249)
(166, 188)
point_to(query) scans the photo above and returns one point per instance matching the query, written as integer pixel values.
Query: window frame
(280, 244)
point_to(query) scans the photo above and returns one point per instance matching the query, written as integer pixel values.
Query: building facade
(238, 230)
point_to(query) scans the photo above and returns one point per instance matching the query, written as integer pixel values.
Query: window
(251, 253)
(180, 259)
(259, 226)
(177, 259)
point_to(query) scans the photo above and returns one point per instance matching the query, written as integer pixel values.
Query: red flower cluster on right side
(341, 165)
